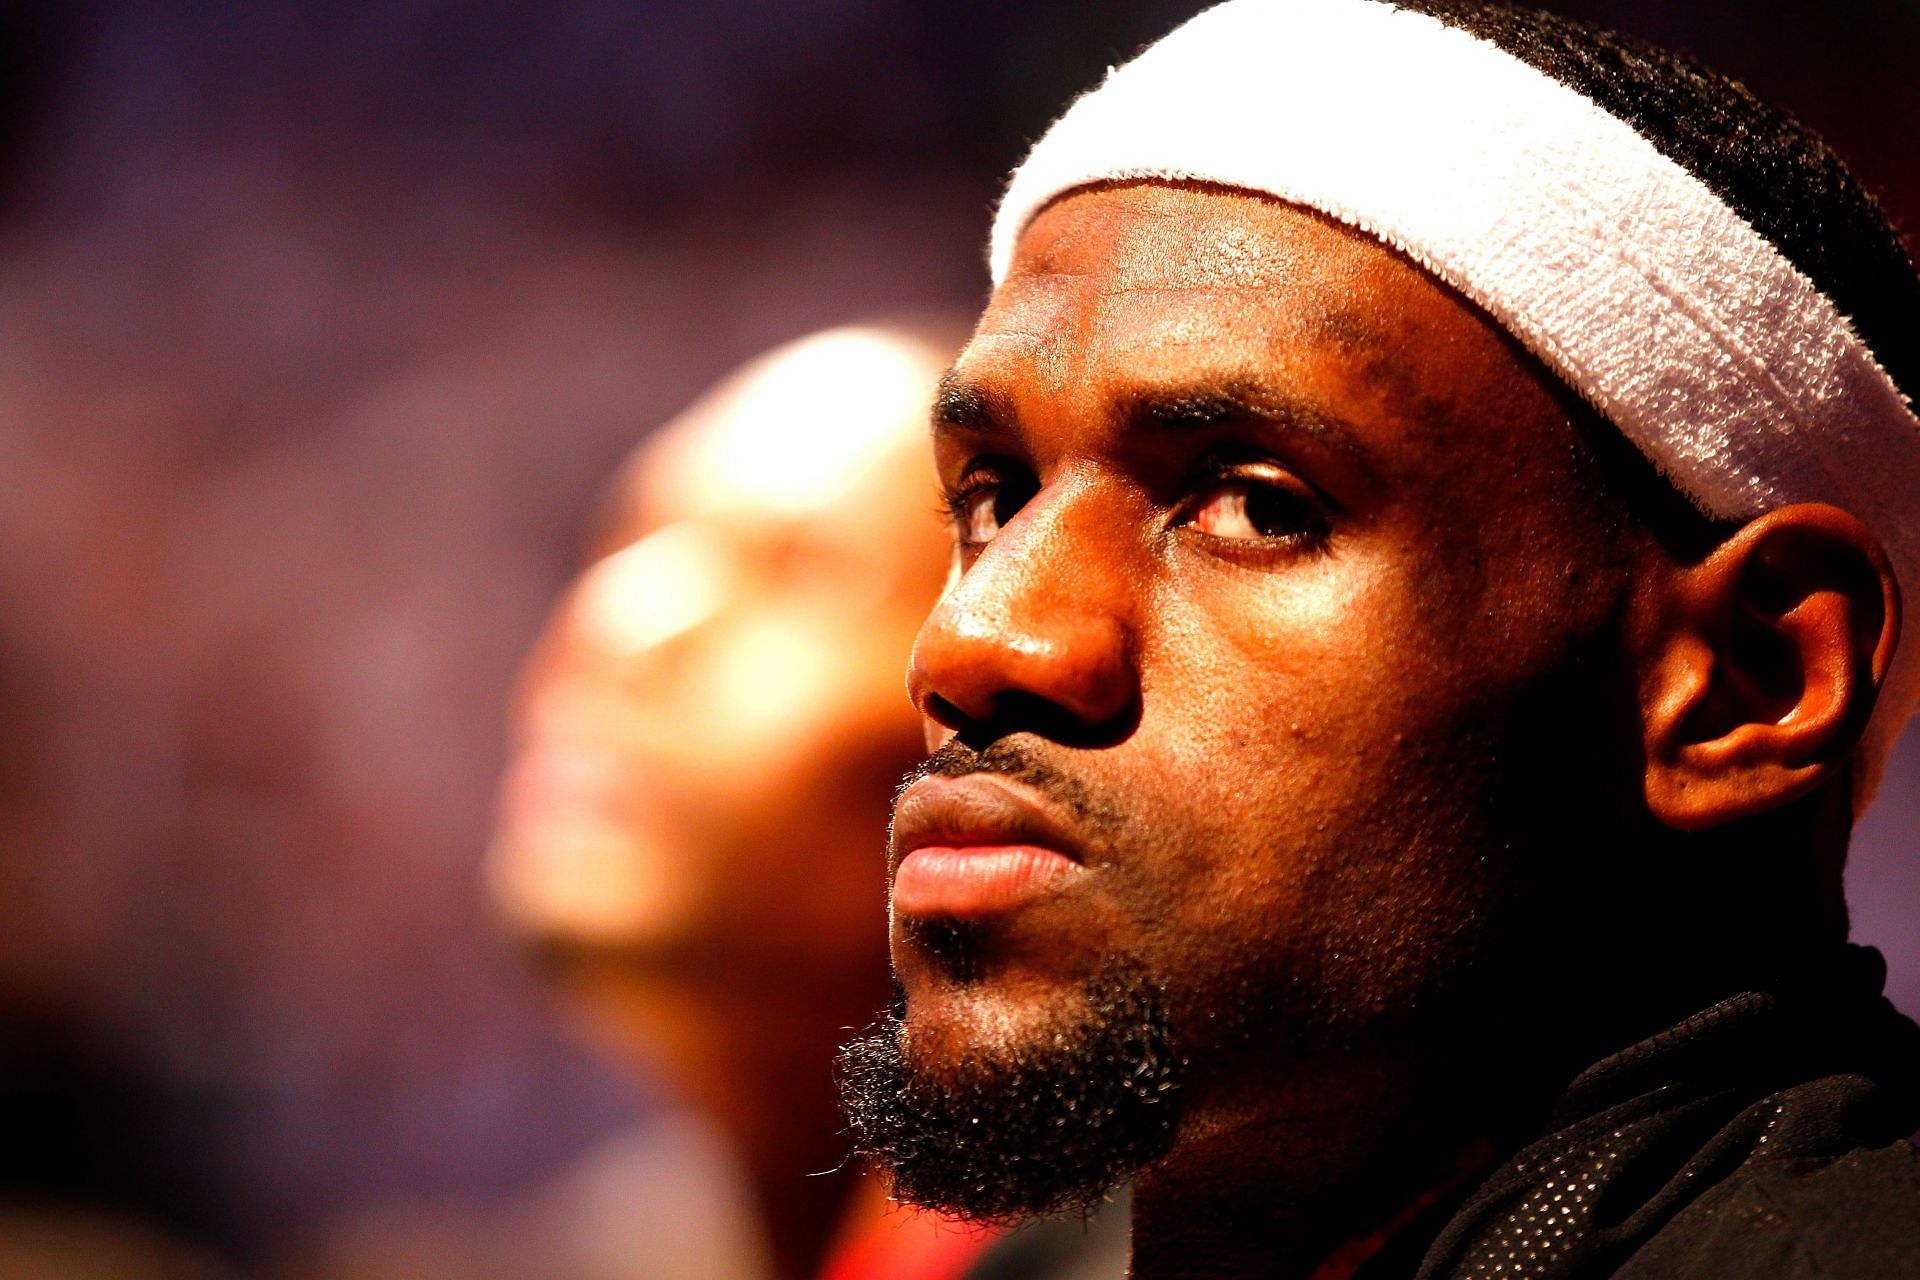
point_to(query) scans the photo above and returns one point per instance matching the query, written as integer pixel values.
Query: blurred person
(707, 736)
(1433, 493)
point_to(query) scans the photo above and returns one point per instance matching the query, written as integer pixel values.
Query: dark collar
(1813, 1065)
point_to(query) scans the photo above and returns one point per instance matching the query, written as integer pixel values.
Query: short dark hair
(1769, 168)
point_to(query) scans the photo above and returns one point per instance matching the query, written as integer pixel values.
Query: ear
(1769, 653)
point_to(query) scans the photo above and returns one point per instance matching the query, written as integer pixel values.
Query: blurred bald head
(707, 733)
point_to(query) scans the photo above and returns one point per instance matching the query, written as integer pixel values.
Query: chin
(949, 1031)
(995, 1105)
(947, 1025)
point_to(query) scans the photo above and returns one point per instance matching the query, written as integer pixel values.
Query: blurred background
(322, 325)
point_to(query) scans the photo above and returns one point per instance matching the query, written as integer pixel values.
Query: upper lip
(975, 809)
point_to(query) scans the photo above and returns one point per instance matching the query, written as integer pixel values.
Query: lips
(976, 846)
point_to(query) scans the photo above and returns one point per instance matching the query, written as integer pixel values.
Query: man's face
(1279, 569)
(710, 727)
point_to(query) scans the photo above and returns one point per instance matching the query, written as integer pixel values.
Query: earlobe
(1769, 653)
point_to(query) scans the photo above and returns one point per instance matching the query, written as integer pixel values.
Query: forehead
(795, 434)
(1120, 288)
(810, 441)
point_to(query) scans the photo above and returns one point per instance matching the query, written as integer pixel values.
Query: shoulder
(1854, 1216)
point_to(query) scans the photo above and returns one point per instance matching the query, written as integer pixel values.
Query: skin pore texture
(1302, 638)
(705, 741)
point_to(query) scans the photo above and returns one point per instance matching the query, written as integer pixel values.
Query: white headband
(1622, 271)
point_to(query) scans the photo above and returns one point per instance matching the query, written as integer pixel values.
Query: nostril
(1016, 710)
(1013, 711)
(945, 713)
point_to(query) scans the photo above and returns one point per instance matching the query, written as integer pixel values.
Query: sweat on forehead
(1172, 354)
(1213, 248)
(1134, 253)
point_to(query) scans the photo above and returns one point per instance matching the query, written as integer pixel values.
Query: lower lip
(976, 880)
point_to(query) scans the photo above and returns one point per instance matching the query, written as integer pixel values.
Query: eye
(1255, 506)
(982, 502)
(978, 517)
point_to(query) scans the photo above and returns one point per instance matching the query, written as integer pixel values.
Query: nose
(1037, 634)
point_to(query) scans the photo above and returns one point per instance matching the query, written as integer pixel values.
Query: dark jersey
(1764, 1138)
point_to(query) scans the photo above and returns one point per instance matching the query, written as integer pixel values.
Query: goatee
(1027, 1131)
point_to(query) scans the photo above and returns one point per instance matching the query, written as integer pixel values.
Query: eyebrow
(1197, 406)
(1201, 406)
(971, 407)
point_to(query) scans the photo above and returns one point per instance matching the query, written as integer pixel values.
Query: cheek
(758, 691)
(797, 728)
(1324, 773)
(1292, 684)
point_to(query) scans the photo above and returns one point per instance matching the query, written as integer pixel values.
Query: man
(708, 734)
(1431, 489)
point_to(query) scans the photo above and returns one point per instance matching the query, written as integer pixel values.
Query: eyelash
(954, 498)
(1303, 513)
(980, 476)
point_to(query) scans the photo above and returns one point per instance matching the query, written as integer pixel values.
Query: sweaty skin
(1296, 569)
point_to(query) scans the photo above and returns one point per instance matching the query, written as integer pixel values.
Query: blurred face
(1274, 558)
(709, 731)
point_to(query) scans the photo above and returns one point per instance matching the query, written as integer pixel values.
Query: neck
(1191, 1227)
(761, 1075)
(1285, 1188)
(804, 1191)
(1300, 1189)
(1198, 1229)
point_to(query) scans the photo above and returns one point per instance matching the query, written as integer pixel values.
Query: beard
(1028, 1130)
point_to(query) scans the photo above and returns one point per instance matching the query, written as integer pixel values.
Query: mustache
(1016, 762)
